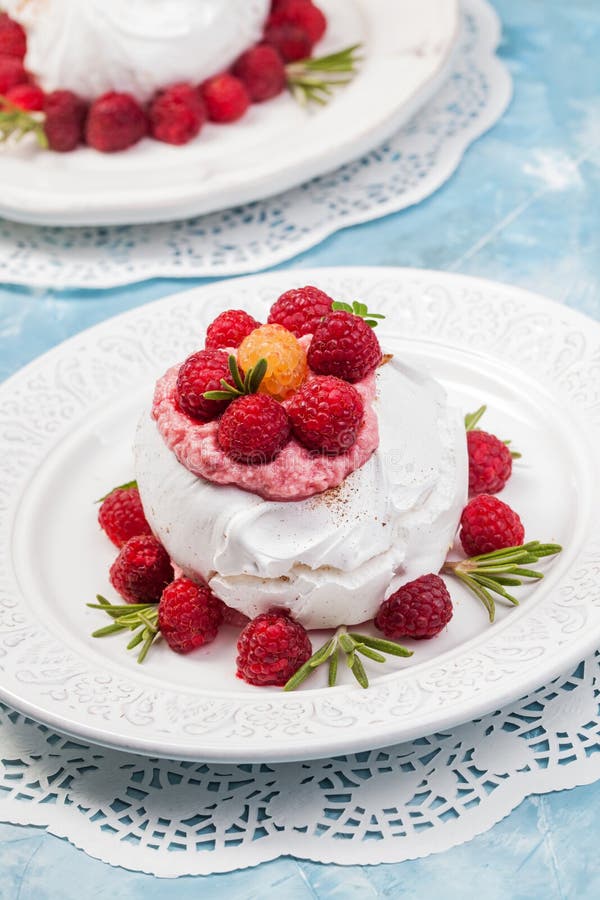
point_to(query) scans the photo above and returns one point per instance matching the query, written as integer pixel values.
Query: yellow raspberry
(286, 359)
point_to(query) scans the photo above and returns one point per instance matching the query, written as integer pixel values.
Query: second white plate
(408, 46)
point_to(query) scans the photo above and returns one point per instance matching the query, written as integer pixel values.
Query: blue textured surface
(523, 208)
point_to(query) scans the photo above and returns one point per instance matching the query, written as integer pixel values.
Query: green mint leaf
(108, 629)
(333, 667)
(120, 487)
(235, 374)
(314, 80)
(256, 375)
(298, 677)
(16, 123)
(390, 647)
(472, 419)
(371, 654)
(136, 639)
(219, 395)
(358, 670)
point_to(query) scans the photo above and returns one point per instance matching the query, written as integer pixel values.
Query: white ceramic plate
(66, 427)
(278, 145)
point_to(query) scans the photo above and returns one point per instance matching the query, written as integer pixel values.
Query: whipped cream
(330, 559)
(94, 46)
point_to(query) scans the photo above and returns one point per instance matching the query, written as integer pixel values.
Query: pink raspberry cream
(294, 474)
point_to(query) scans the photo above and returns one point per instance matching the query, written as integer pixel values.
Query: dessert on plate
(326, 536)
(108, 74)
(138, 47)
(295, 477)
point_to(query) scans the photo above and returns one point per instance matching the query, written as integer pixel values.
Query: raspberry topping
(11, 73)
(344, 345)
(142, 570)
(326, 414)
(229, 329)
(13, 40)
(176, 114)
(262, 72)
(303, 14)
(419, 609)
(488, 524)
(225, 97)
(300, 310)
(65, 120)
(286, 359)
(29, 97)
(271, 649)
(490, 463)
(189, 615)
(202, 372)
(291, 42)
(253, 429)
(115, 122)
(121, 516)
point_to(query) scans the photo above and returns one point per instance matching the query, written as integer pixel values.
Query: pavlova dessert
(296, 476)
(107, 73)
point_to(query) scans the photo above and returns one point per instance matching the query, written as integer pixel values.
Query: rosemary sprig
(315, 80)
(241, 386)
(16, 123)
(140, 618)
(119, 487)
(490, 574)
(351, 645)
(358, 309)
(473, 419)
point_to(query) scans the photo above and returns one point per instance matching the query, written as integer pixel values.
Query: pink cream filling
(294, 474)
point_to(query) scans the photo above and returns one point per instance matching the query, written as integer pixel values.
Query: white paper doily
(403, 802)
(404, 171)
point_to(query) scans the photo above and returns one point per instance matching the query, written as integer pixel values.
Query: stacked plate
(407, 49)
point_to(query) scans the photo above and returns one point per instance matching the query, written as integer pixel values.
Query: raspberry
(253, 429)
(326, 414)
(121, 516)
(291, 42)
(142, 570)
(344, 345)
(271, 649)
(490, 463)
(488, 524)
(229, 329)
(13, 40)
(262, 72)
(302, 14)
(419, 609)
(115, 122)
(199, 373)
(301, 309)
(11, 73)
(286, 359)
(29, 97)
(225, 97)
(176, 114)
(189, 615)
(65, 120)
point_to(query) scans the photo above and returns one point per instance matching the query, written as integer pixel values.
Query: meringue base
(333, 558)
